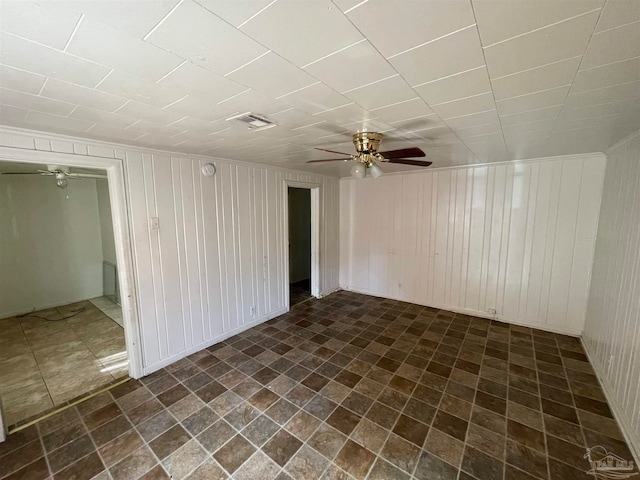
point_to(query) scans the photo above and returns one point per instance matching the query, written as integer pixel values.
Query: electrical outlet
(252, 311)
(491, 311)
(155, 223)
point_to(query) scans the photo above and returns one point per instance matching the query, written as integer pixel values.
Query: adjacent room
(61, 325)
(325, 239)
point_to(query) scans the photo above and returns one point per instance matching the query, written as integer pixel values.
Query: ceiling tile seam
(586, 48)
(73, 32)
(104, 78)
(334, 108)
(354, 7)
(174, 102)
(606, 64)
(568, 19)
(396, 103)
(449, 76)
(255, 15)
(170, 72)
(299, 90)
(431, 41)
(334, 53)
(534, 93)
(307, 126)
(250, 62)
(614, 28)
(535, 68)
(48, 47)
(46, 79)
(370, 83)
(473, 10)
(461, 98)
(604, 88)
(234, 96)
(162, 20)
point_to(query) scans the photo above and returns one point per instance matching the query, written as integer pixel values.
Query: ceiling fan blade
(332, 151)
(19, 173)
(330, 160)
(87, 175)
(406, 161)
(46, 172)
(403, 153)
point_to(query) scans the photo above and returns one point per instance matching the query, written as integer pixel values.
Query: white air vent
(253, 121)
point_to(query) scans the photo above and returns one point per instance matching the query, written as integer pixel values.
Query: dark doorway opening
(299, 200)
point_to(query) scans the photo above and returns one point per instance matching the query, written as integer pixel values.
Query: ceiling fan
(367, 144)
(61, 174)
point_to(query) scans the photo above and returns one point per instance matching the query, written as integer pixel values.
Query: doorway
(303, 239)
(62, 335)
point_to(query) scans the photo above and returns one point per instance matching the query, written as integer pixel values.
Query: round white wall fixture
(208, 169)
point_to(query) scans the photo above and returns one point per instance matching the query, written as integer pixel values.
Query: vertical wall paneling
(612, 330)
(217, 263)
(512, 241)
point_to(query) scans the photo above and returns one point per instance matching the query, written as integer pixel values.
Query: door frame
(315, 190)
(115, 171)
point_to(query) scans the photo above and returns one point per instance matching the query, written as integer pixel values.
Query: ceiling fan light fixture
(61, 180)
(375, 171)
(359, 170)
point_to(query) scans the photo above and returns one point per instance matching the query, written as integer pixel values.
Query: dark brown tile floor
(349, 386)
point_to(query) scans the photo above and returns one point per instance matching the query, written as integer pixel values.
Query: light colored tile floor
(110, 309)
(45, 363)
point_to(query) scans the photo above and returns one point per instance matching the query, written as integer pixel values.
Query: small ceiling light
(375, 171)
(61, 180)
(359, 170)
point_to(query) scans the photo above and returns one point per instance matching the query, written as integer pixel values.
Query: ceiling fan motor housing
(367, 142)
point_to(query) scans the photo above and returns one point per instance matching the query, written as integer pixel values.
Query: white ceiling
(467, 81)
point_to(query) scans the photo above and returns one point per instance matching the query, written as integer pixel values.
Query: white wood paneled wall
(217, 265)
(612, 330)
(511, 241)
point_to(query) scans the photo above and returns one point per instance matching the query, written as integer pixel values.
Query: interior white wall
(612, 330)
(106, 221)
(299, 204)
(51, 251)
(511, 241)
(217, 264)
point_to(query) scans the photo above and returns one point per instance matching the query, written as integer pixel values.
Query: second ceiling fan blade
(406, 161)
(403, 153)
(19, 173)
(332, 151)
(330, 160)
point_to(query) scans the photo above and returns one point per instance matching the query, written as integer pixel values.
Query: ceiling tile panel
(608, 75)
(418, 124)
(272, 75)
(549, 113)
(38, 22)
(533, 101)
(342, 115)
(114, 133)
(13, 115)
(57, 123)
(461, 85)
(105, 45)
(536, 79)
(20, 80)
(315, 98)
(403, 110)
(134, 88)
(25, 55)
(395, 27)
(465, 106)
(194, 33)
(618, 12)
(453, 54)
(616, 93)
(69, 92)
(148, 112)
(614, 45)
(551, 44)
(385, 92)
(337, 70)
(34, 102)
(478, 130)
(322, 25)
(499, 20)
(630, 106)
(473, 119)
(233, 11)
(202, 109)
(99, 116)
(135, 18)
(195, 80)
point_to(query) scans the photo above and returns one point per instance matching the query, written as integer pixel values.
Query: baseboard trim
(618, 413)
(474, 313)
(196, 348)
(37, 308)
